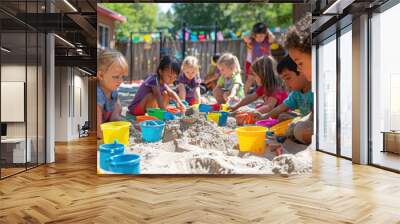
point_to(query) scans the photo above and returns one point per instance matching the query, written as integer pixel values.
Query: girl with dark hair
(271, 88)
(258, 45)
(155, 91)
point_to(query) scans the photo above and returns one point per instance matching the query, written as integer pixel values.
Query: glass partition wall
(346, 95)
(385, 89)
(326, 106)
(383, 77)
(22, 77)
(334, 94)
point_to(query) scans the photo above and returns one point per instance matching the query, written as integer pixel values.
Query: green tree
(236, 17)
(201, 14)
(165, 19)
(272, 14)
(140, 17)
(229, 17)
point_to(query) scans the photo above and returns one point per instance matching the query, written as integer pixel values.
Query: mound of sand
(193, 145)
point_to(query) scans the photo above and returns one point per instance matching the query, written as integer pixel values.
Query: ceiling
(328, 16)
(204, 1)
(74, 21)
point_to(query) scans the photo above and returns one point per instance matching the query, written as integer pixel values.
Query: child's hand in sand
(182, 107)
(231, 100)
(257, 115)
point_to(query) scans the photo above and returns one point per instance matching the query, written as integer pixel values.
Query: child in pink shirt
(271, 87)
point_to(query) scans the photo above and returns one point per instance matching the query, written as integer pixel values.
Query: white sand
(202, 147)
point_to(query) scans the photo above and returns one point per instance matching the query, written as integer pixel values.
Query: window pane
(346, 94)
(327, 97)
(13, 73)
(41, 99)
(385, 86)
(31, 100)
(101, 37)
(106, 35)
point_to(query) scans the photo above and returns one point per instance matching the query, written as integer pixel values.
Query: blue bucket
(152, 131)
(125, 164)
(107, 151)
(168, 116)
(223, 118)
(205, 108)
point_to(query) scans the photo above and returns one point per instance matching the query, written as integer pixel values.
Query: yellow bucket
(281, 128)
(225, 107)
(117, 130)
(252, 139)
(214, 117)
(195, 106)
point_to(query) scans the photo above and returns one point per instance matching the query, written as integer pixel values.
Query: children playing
(212, 76)
(258, 45)
(229, 85)
(189, 81)
(271, 87)
(111, 67)
(300, 98)
(155, 91)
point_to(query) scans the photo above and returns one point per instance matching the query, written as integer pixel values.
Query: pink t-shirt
(279, 95)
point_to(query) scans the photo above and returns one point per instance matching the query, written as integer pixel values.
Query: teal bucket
(152, 131)
(223, 118)
(107, 151)
(125, 164)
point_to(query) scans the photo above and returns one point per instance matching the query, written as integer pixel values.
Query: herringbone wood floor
(69, 191)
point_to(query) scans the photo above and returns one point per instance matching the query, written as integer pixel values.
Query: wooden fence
(146, 56)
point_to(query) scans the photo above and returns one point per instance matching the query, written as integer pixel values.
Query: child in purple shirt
(155, 91)
(189, 81)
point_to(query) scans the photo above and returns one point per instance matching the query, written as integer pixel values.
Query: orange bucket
(140, 119)
(243, 118)
(174, 110)
(145, 118)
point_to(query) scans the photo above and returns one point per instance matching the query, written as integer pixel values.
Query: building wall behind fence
(146, 58)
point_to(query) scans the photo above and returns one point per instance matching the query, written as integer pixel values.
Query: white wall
(80, 101)
(61, 103)
(34, 125)
(13, 73)
(71, 94)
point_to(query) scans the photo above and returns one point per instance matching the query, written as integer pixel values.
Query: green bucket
(156, 112)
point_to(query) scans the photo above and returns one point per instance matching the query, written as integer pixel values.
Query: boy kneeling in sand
(298, 42)
(300, 98)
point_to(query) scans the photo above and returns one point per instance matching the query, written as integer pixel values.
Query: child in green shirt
(229, 85)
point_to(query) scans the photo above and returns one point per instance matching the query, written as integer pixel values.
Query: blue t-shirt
(299, 100)
(106, 104)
